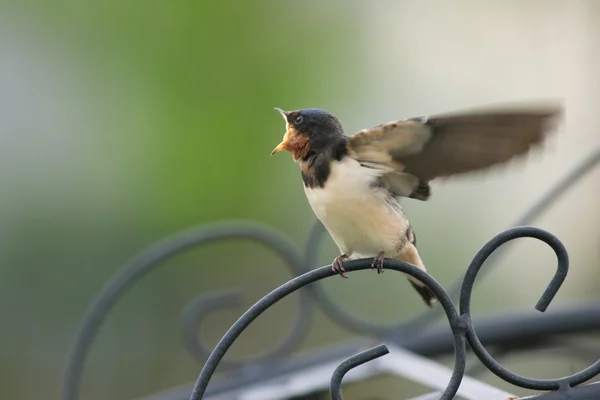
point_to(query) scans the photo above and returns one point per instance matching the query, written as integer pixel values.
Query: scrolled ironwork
(155, 256)
(195, 312)
(353, 362)
(460, 324)
(465, 301)
(301, 263)
(456, 322)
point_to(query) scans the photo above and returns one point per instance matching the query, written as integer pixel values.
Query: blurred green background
(123, 122)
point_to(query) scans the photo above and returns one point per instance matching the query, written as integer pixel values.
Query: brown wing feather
(381, 146)
(468, 142)
(446, 145)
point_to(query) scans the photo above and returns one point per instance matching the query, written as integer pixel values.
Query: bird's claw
(337, 266)
(378, 263)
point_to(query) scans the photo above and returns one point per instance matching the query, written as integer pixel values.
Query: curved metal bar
(542, 304)
(509, 329)
(566, 346)
(456, 323)
(361, 325)
(353, 362)
(155, 256)
(201, 306)
(499, 240)
(196, 311)
(329, 306)
(585, 392)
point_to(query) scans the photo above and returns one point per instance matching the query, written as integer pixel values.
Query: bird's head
(309, 131)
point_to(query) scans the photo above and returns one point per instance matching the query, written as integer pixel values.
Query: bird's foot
(337, 266)
(378, 262)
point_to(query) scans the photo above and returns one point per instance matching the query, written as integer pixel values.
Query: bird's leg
(337, 265)
(378, 262)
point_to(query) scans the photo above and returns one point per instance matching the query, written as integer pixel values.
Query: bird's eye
(298, 120)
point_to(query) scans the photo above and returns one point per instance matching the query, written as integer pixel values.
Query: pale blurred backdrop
(123, 122)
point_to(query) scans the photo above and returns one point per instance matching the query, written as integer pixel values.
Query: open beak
(283, 114)
(281, 146)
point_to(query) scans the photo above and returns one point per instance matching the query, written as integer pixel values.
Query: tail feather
(425, 293)
(411, 254)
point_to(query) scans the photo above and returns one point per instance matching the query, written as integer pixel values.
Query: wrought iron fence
(505, 332)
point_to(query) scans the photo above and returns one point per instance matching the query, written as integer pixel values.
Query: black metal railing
(496, 331)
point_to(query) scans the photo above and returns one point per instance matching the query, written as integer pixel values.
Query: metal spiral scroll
(461, 325)
(155, 256)
(299, 263)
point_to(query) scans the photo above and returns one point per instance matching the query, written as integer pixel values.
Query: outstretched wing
(418, 150)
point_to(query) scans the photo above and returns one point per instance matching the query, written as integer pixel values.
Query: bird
(354, 184)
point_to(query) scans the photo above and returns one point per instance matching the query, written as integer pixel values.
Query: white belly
(359, 218)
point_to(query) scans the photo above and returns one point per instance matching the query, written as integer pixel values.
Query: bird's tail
(425, 293)
(411, 255)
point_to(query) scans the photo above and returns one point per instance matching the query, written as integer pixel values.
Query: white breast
(361, 219)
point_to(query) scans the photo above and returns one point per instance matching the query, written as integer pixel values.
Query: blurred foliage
(204, 77)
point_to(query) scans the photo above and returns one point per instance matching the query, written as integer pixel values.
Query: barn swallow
(354, 184)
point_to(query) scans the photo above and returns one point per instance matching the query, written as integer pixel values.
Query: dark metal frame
(430, 342)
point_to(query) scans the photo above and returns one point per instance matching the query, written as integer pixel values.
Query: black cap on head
(310, 131)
